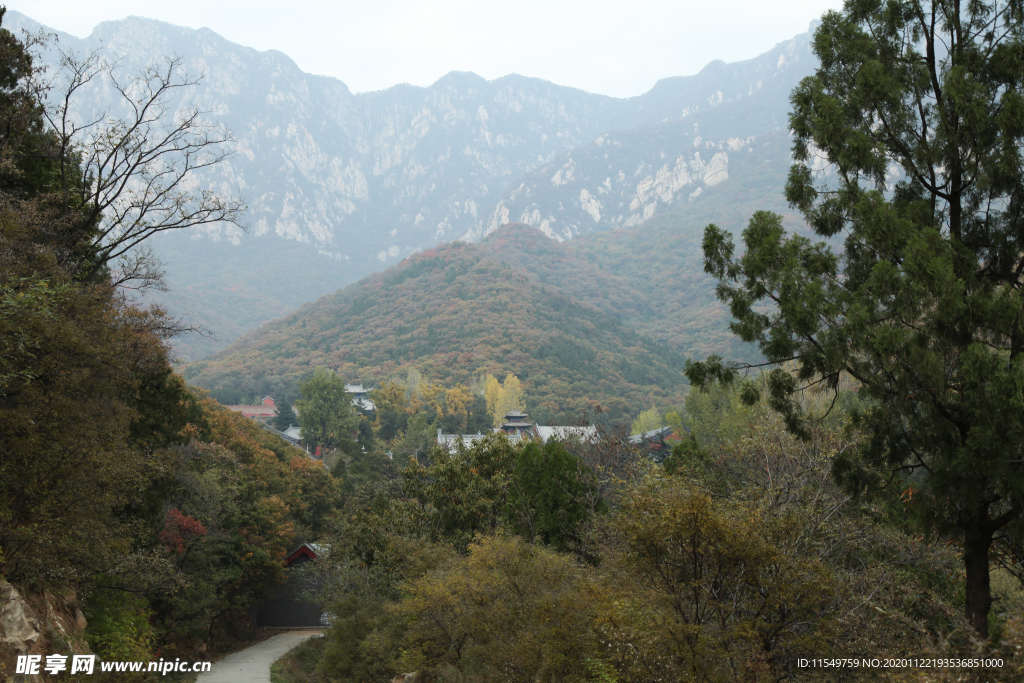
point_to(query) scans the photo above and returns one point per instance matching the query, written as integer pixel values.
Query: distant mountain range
(340, 185)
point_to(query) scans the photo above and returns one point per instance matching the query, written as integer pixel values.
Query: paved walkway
(252, 665)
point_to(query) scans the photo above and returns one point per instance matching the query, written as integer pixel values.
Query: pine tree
(545, 499)
(908, 143)
(285, 417)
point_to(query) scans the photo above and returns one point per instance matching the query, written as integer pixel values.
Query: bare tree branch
(135, 174)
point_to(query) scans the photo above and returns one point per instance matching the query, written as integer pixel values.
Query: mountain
(342, 184)
(458, 311)
(685, 137)
(652, 277)
(605, 318)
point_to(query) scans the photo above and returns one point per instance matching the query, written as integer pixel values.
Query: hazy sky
(614, 48)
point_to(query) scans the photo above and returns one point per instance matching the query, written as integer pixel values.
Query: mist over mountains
(341, 184)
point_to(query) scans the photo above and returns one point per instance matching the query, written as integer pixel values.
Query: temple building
(263, 412)
(516, 426)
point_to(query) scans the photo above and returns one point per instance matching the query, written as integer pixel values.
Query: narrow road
(252, 665)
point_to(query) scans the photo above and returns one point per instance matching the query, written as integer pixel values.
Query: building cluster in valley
(288, 606)
(516, 425)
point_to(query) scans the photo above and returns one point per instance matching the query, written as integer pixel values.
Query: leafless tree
(131, 174)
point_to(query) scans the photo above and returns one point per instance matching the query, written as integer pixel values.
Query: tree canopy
(908, 148)
(546, 497)
(326, 416)
(166, 515)
(646, 421)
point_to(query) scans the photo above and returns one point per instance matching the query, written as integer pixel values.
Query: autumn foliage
(455, 313)
(180, 530)
(496, 562)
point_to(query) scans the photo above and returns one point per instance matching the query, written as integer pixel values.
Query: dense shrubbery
(240, 499)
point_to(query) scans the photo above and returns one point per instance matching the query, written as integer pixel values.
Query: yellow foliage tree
(727, 587)
(457, 401)
(492, 393)
(508, 607)
(503, 397)
(647, 421)
(390, 395)
(431, 395)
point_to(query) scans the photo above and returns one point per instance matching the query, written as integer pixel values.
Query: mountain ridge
(341, 185)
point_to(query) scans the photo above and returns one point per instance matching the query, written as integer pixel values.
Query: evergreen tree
(326, 415)
(545, 501)
(908, 144)
(285, 417)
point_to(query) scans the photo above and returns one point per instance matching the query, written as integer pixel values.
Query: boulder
(19, 627)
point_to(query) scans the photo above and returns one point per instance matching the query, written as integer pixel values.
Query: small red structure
(287, 605)
(307, 550)
(657, 443)
(263, 412)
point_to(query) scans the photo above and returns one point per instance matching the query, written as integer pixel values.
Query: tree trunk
(979, 597)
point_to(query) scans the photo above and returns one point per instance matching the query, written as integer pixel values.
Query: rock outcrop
(414, 677)
(20, 629)
(37, 624)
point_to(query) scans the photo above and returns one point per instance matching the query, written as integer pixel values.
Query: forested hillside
(138, 518)
(459, 311)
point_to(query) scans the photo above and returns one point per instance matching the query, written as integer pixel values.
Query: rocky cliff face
(37, 624)
(677, 145)
(340, 184)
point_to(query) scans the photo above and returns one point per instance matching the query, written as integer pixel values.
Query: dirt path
(252, 665)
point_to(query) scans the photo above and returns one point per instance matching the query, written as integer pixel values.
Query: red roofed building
(263, 412)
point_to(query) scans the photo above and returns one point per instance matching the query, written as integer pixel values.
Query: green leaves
(717, 251)
(326, 415)
(908, 143)
(545, 500)
(466, 491)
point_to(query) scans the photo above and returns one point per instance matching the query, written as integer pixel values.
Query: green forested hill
(458, 311)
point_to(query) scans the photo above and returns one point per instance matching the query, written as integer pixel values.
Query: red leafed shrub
(179, 528)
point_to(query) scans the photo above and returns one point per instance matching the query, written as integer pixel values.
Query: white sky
(613, 48)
